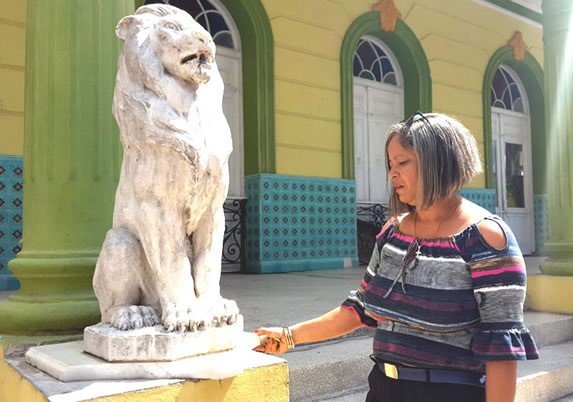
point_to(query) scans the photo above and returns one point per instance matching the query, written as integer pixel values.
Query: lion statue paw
(134, 317)
(224, 313)
(184, 317)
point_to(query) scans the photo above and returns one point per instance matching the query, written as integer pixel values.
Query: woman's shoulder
(388, 227)
(490, 228)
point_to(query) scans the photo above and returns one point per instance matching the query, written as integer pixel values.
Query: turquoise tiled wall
(11, 193)
(484, 197)
(297, 223)
(541, 221)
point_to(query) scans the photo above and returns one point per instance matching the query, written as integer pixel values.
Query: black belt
(430, 375)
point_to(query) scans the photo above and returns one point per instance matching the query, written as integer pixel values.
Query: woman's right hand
(273, 340)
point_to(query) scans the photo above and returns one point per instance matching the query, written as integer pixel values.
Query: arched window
(372, 63)
(214, 18)
(505, 92)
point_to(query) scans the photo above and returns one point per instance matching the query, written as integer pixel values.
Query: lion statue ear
(123, 26)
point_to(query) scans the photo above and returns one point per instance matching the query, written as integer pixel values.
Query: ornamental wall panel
(11, 199)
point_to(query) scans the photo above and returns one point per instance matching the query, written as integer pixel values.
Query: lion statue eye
(172, 26)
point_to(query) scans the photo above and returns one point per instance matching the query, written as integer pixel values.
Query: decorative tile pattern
(11, 197)
(299, 223)
(541, 213)
(484, 197)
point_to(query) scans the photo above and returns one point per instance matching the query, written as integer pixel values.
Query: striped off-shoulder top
(460, 304)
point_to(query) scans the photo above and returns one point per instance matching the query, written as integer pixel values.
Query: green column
(71, 163)
(558, 60)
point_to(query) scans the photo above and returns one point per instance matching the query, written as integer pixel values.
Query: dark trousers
(384, 389)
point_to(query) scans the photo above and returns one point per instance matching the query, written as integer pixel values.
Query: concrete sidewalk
(285, 299)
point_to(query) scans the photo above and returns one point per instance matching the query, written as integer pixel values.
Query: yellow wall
(459, 37)
(12, 55)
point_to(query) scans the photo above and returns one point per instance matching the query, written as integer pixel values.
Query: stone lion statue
(161, 261)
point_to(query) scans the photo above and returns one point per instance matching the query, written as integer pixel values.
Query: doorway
(511, 156)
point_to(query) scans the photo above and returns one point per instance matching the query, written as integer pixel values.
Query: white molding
(509, 13)
(529, 4)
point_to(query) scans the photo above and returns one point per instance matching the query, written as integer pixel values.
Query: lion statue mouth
(200, 64)
(202, 58)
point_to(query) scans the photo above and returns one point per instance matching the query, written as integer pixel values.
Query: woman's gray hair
(447, 153)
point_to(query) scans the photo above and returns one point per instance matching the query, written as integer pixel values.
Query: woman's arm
(501, 376)
(500, 380)
(336, 322)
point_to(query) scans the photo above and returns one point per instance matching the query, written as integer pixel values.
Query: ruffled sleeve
(355, 300)
(499, 281)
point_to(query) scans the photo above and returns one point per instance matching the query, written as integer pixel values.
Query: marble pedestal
(68, 362)
(154, 344)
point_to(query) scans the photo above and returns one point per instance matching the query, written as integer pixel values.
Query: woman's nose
(392, 174)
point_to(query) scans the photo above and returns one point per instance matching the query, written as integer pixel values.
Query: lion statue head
(167, 75)
(165, 46)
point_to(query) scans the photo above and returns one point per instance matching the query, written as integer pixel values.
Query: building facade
(311, 88)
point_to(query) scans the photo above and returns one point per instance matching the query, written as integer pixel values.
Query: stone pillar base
(550, 294)
(558, 264)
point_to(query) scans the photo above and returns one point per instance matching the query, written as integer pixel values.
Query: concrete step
(338, 369)
(549, 378)
(329, 367)
(548, 328)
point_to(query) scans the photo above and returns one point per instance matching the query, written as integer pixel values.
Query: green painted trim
(413, 62)
(517, 9)
(531, 75)
(257, 48)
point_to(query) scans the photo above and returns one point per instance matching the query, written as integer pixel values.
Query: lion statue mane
(160, 262)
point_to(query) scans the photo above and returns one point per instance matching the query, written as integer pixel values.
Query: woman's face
(403, 171)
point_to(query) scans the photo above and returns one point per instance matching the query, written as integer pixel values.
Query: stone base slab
(68, 362)
(154, 344)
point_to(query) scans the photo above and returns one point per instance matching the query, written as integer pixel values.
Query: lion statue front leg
(168, 254)
(118, 285)
(207, 251)
(135, 289)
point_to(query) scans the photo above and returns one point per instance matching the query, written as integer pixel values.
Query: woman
(445, 286)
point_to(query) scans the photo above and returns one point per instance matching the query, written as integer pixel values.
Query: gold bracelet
(288, 335)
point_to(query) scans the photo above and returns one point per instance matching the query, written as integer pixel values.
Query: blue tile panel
(541, 221)
(297, 223)
(484, 197)
(11, 196)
